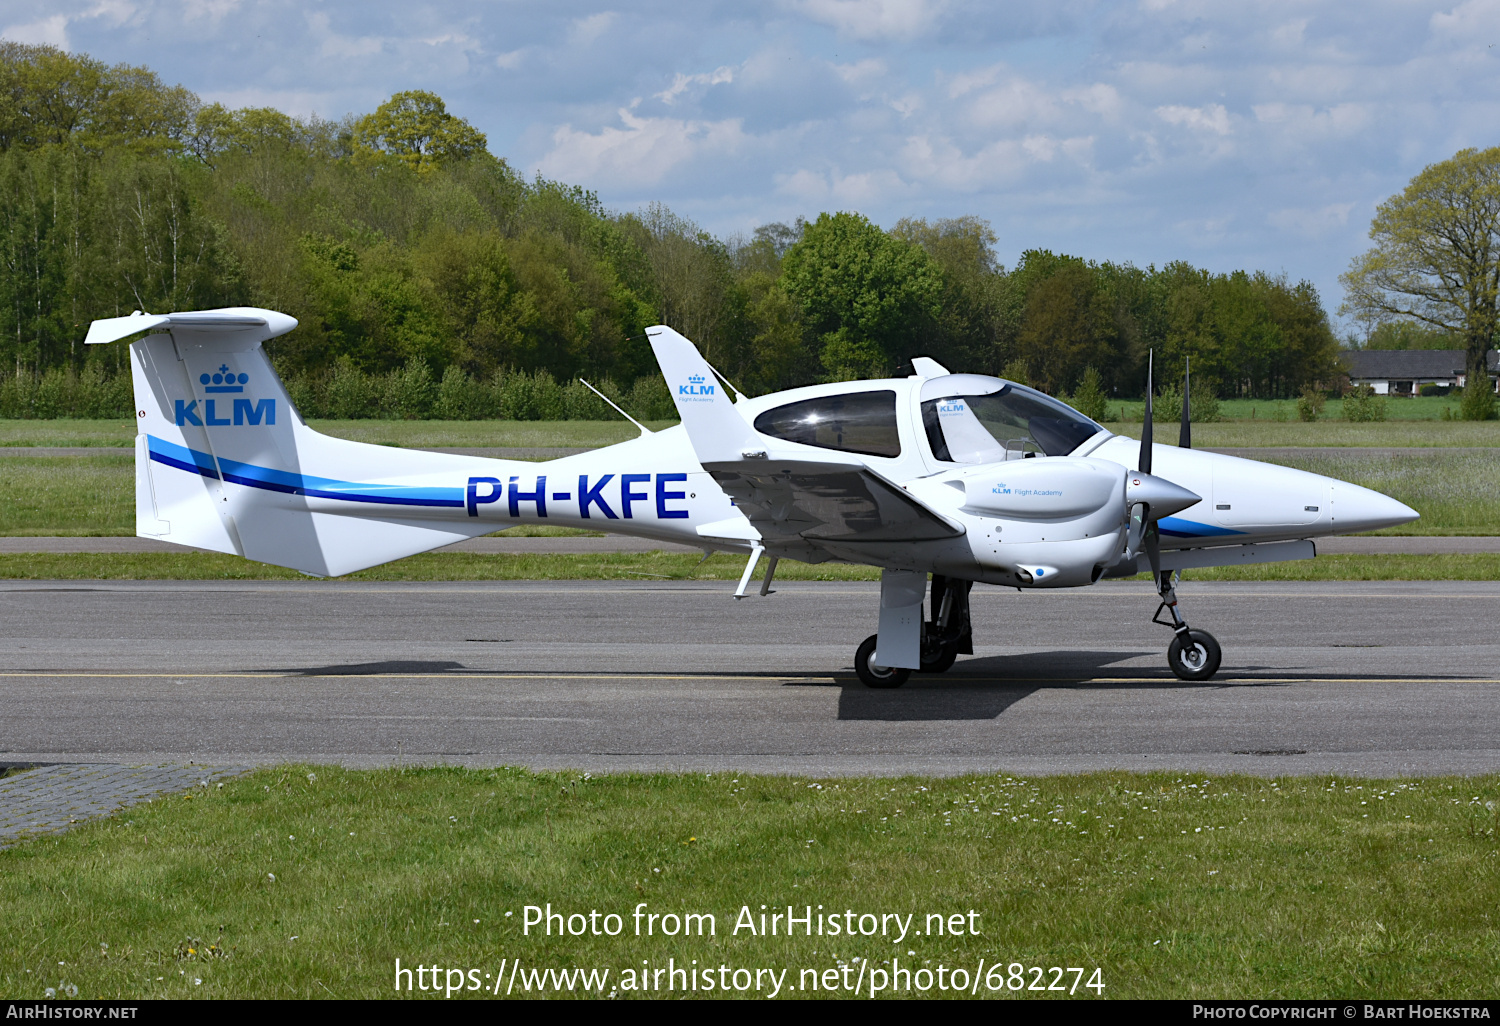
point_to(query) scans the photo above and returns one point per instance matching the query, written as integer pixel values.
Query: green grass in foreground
(641, 566)
(310, 881)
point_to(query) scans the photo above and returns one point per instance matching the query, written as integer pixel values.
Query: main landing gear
(948, 635)
(1193, 654)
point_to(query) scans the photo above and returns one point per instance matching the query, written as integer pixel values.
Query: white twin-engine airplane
(965, 477)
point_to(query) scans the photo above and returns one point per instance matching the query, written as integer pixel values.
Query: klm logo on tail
(244, 412)
(696, 391)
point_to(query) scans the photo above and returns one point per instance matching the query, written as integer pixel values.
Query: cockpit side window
(1008, 423)
(858, 422)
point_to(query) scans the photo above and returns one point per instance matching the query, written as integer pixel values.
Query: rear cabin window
(860, 422)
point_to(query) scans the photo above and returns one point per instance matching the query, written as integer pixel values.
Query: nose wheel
(1193, 654)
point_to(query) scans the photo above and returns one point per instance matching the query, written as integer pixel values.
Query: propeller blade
(1153, 551)
(1185, 436)
(1143, 463)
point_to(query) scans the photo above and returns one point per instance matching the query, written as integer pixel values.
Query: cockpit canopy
(969, 418)
(972, 418)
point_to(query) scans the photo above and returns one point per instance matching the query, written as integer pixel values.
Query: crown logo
(224, 380)
(696, 379)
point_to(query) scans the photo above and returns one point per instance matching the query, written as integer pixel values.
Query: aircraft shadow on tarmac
(388, 667)
(982, 689)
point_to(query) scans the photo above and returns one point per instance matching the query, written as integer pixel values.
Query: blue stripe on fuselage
(1176, 527)
(288, 483)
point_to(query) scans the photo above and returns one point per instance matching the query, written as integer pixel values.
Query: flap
(802, 501)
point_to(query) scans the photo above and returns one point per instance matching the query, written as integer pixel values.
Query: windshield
(973, 419)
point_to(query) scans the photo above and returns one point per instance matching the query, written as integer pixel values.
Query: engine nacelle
(1043, 522)
(1054, 489)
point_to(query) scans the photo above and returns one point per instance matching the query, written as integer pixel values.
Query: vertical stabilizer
(717, 430)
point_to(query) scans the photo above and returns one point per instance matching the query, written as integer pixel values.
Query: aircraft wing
(794, 502)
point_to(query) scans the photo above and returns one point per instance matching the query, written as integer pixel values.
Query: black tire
(877, 676)
(942, 663)
(1200, 662)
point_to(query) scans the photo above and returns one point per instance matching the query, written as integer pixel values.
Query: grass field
(1390, 434)
(306, 881)
(669, 566)
(1415, 409)
(68, 496)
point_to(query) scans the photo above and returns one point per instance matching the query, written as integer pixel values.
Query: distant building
(1403, 372)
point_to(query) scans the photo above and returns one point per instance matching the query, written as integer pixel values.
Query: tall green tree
(416, 128)
(1436, 258)
(866, 293)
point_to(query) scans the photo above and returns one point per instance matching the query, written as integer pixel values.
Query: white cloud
(512, 59)
(1211, 118)
(842, 191)
(642, 152)
(871, 69)
(681, 83)
(51, 31)
(1469, 23)
(873, 19)
(212, 10)
(585, 31)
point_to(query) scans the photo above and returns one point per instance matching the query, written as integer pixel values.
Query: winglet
(717, 431)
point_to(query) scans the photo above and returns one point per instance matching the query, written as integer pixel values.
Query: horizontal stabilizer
(252, 326)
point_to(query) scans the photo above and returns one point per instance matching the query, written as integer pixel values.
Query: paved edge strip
(56, 795)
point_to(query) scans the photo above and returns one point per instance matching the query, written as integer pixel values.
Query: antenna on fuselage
(739, 393)
(1185, 435)
(644, 429)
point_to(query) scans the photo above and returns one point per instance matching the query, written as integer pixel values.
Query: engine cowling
(1054, 489)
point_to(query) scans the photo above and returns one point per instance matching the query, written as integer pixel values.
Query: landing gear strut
(949, 633)
(944, 638)
(1193, 654)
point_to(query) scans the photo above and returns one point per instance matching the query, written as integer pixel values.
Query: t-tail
(223, 460)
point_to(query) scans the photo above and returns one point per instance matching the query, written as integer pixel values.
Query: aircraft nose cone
(1363, 509)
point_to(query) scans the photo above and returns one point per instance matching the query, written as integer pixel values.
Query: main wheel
(877, 676)
(938, 658)
(1198, 661)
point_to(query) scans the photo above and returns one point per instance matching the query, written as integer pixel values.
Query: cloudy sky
(1256, 135)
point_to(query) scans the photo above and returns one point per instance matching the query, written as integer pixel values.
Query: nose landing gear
(1193, 654)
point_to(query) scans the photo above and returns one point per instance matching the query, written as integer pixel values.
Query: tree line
(405, 248)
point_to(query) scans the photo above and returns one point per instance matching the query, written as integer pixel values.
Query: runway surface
(1368, 678)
